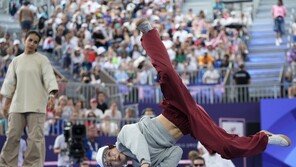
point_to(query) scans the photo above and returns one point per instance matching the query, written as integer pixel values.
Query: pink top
(278, 11)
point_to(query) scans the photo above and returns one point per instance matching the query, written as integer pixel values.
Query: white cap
(138, 61)
(87, 47)
(93, 21)
(101, 50)
(84, 25)
(100, 156)
(16, 42)
(2, 40)
(97, 28)
(130, 6)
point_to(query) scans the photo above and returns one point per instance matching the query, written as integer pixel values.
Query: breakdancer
(151, 142)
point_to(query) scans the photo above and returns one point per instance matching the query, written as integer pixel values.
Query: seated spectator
(148, 112)
(204, 60)
(16, 48)
(129, 116)
(109, 127)
(55, 125)
(113, 112)
(211, 76)
(199, 161)
(96, 75)
(192, 155)
(77, 60)
(101, 99)
(9, 54)
(79, 109)
(93, 108)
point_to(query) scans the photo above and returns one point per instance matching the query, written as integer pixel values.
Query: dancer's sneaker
(278, 139)
(143, 25)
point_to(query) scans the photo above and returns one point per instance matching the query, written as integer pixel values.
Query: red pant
(181, 109)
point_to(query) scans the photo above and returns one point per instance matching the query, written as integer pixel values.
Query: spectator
(192, 155)
(93, 108)
(109, 127)
(113, 112)
(211, 76)
(91, 143)
(61, 148)
(213, 160)
(148, 112)
(199, 162)
(242, 80)
(130, 115)
(26, 17)
(101, 98)
(205, 60)
(16, 48)
(279, 12)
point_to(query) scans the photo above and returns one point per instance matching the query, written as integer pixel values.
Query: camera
(74, 135)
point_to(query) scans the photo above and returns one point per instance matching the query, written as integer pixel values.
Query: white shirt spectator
(294, 29)
(182, 34)
(211, 76)
(99, 113)
(59, 143)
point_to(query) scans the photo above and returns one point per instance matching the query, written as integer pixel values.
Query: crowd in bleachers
(87, 36)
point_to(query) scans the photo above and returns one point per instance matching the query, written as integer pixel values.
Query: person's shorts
(294, 38)
(26, 25)
(279, 25)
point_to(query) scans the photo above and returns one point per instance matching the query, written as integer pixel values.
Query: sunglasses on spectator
(199, 165)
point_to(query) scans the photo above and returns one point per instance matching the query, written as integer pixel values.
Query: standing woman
(29, 85)
(279, 12)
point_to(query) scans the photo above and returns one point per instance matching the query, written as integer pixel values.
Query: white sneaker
(143, 25)
(278, 139)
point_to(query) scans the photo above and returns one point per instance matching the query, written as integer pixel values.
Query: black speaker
(252, 128)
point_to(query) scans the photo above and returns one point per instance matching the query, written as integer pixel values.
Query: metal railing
(194, 76)
(203, 94)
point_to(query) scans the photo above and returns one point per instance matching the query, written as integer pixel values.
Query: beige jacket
(29, 80)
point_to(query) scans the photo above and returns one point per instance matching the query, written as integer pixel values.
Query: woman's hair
(34, 33)
(280, 3)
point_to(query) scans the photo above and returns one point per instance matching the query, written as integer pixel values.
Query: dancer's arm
(131, 137)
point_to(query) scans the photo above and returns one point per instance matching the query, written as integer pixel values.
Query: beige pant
(35, 153)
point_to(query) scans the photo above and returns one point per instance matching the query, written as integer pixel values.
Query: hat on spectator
(93, 100)
(190, 35)
(84, 25)
(93, 21)
(138, 61)
(97, 28)
(101, 156)
(130, 7)
(87, 47)
(2, 40)
(58, 20)
(49, 21)
(101, 50)
(77, 48)
(16, 42)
